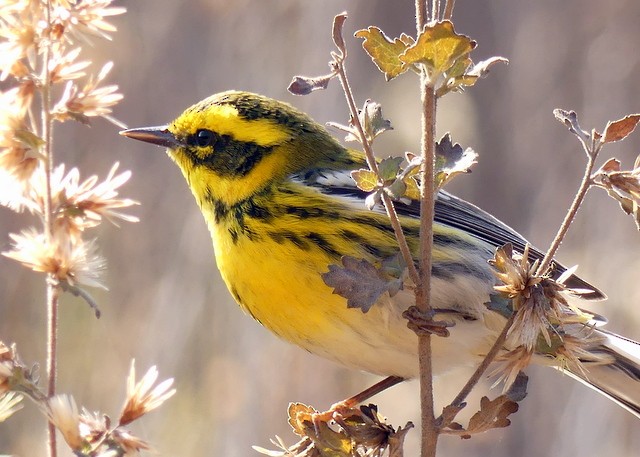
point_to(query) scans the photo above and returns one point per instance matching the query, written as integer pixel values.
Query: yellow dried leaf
(384, 52)
(439, 47)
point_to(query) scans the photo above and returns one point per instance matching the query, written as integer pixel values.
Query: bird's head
(234, 144)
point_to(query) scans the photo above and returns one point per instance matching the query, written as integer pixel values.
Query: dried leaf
(384, 52)
(352, 133)
(304, 85)
(338, 40)
(451, 160)
(388, 168)
(439, 47)
(306, 422)
(449, 413)
(611, 165)
(621, 185)
(492, 414)
(409, 174)
(465, 74)
(620, 129)
(299, 413)
(570, 120)
(412, 190)
(397, 189)
(359, 281)
(481, 69)
(373, 199)
(372, 121)
(396, 440)
(366, 180)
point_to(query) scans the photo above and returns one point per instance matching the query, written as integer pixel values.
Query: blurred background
(167, 305)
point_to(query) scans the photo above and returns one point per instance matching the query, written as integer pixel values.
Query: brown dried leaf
(620, 129)
(451, 160)
(360, 282)
(396, 440)
(621, 185)
(304, 85)
(299, 413)
(338, 40)
(492, 414)
(449, 413)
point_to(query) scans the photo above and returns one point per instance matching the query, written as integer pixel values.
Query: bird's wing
(459, 214)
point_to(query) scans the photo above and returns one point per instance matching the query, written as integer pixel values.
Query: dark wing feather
(462, 215)
(457, 213)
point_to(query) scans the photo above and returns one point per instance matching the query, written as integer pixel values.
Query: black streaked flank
(220, 209)
(234, 216)
(285, 235)
(323, 244)
(311, 212)
(234, 235)
(255, 211)
(375, 251)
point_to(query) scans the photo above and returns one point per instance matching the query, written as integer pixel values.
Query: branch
(371, 161)
(569, 217)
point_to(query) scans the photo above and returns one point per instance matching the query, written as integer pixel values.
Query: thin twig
(429, 434)
(423, 290)
(435, 10)
(371, 161)
(488, 359)
(52, 288)
(421, 15)
(571, 213)
(375, 389)
(448, 9)
(353, 110)
(405, 251)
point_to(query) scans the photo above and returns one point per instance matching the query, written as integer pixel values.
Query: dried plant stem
(571, 214)
(371, 161)
(448, 9)
(491, 355)
(421, 15)
(423, 289)
(429, 429)
(52, 288)
(375, 389)
(435, 9)
(52, 360)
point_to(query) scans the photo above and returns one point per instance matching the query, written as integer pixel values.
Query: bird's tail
(620, 379)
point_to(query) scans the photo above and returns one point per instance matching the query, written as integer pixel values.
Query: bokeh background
(167, 304)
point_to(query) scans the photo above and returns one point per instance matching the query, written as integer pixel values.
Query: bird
(275, 189)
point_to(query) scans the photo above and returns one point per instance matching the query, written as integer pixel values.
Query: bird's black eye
(204, 138)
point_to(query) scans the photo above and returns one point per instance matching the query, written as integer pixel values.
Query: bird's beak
(155, 135)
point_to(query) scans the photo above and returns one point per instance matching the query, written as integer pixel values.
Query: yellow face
(233, 145)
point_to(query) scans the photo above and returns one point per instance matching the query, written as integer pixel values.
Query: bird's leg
(351, 402)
